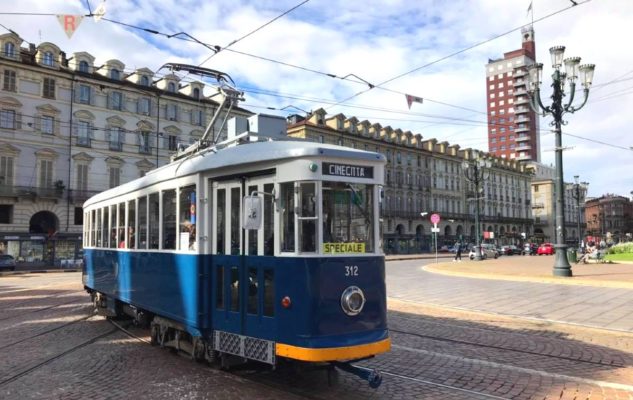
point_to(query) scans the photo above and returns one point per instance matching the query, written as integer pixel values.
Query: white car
(486, 252)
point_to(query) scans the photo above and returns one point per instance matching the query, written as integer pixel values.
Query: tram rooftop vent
(260, 125)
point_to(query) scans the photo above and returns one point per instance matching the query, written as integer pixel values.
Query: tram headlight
(352, 300)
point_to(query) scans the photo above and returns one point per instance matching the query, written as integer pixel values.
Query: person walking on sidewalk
(458, 251)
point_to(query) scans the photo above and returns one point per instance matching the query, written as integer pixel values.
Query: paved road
(53, 346)
(605, 308)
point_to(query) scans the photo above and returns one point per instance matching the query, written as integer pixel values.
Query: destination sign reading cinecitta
(351, 171)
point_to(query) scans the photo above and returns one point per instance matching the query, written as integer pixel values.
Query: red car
(545, 248)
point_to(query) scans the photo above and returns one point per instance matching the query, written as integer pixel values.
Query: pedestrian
(458, 252)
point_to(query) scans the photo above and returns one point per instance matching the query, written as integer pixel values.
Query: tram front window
(348, 218)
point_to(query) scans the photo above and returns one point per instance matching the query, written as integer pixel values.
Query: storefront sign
(335, 248)
(12, 238)
(350, 171)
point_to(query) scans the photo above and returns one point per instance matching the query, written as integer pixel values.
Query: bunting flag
(70, 23)
(412, 99)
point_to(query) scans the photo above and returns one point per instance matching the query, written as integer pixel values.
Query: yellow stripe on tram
(333, 353)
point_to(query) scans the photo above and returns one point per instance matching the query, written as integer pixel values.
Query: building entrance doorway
(44, 222)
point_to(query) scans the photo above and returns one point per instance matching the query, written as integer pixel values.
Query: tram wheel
(154, 334)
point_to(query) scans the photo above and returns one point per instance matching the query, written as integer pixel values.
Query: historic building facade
(426, 176)
(512, 125)
(70, 128)
(609, 218)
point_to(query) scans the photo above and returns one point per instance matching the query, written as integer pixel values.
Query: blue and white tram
(260, 250)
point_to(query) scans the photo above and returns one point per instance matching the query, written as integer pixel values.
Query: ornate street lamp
(557, 110)
(475, 172)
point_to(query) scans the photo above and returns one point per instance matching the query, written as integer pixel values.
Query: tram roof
(244, 154)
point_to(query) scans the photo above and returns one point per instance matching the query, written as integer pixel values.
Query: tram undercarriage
(223, 348)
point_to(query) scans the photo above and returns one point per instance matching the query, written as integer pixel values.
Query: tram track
(16, 375)
(505, 348)
(74, 321)
(37, 310)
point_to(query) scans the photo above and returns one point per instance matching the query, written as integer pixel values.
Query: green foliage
(621, 248)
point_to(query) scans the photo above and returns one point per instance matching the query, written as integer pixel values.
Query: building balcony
(83, 141)
(519, 72)
(524, 157)
(519, 82)
(116, 146)
(522, 138)
(142, 149)
(79, 196)
(521, 110)
(521, 100)
(520, 92)
(522, 129)
(31, 192)
(522, 119)
(523, 147)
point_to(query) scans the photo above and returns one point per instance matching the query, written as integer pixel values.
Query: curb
(437, 269)
(39, 271)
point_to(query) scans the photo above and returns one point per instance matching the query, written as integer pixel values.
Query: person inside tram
(131, 237)
(122, 238)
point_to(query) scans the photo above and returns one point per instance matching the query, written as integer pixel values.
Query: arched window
(144, 80)
(171, 87)
(48, 59)
(196, 93)
(115, 74)
(9, 49)
(84, 67)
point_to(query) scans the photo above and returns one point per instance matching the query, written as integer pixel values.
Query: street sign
(436, 230)
(435, 218)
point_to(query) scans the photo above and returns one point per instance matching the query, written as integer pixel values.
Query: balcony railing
(116, 146)
(143, 149)
(79, 196)
(31, 192)
(83, 141)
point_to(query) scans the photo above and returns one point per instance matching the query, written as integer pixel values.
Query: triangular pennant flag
(70, 23)
(411, 99)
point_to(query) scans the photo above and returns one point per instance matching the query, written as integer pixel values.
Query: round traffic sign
(435, 218)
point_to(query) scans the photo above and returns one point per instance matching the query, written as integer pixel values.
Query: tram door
(243, 265)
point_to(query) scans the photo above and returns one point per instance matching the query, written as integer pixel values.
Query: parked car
(529, 249)
(7, 262)
(546, 248)
(443, 249)
(486, 252)
(505, 250)
(492, 247)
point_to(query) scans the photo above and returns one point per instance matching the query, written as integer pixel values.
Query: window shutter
(38, 123)
(123, 107)
(92, 130)
(138, 105)
(108, 135)
(109, 101)
(18, 120)
(176, 113)
(149, 108)
(92, 96)
(75, 129)
(122, 136)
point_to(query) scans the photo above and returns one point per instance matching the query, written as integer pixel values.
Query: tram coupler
(372, 376)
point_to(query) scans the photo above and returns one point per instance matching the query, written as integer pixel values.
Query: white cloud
(378, 40)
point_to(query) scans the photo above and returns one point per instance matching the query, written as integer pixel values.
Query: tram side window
(252, 291)
(236, 228)
(142, 223)
(93, 227)
(106, 224)
(252, 233)
(121, 229)
(97, 228)
(169, 219)
(219, 287)
(153, 220)
(287, 228)
(86, 224)
(269, 293)
(307, 218)
(131, 222)
(269, 238)
(113, 227)
(221, 221)
(187, 218)
(235, 289)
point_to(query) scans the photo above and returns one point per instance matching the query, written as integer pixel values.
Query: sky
(323, 54)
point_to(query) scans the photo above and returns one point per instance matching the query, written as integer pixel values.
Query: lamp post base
(561, 264)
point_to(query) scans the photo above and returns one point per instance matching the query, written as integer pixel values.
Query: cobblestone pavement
(53, 347)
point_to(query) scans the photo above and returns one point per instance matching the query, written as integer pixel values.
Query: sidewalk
(531, 269)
